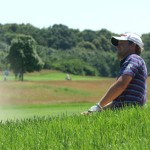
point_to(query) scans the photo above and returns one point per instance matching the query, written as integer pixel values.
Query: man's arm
(115, 90)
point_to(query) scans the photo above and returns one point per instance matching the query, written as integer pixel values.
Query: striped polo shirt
(133, 65)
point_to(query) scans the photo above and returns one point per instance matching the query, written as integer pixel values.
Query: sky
(117, 16)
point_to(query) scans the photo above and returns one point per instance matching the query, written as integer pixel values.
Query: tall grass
(119, 130)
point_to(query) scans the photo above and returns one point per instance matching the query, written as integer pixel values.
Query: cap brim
(122, 38)
(115, 39)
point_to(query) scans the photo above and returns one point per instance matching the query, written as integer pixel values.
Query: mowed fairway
(48, 93)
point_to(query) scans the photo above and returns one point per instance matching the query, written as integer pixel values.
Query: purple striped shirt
(133, 65)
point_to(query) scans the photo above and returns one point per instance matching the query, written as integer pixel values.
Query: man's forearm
(115, 90)
(110, 95)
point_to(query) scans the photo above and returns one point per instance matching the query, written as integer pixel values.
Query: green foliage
(146, 40)
(3, 54)
(61, 37)
(23, 56)
(91, 47)
(87, 45)
(88, 35)
(146, 57)
(75, 66)
(3, 46)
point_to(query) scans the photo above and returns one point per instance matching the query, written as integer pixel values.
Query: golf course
(43, 113)
(48, 93)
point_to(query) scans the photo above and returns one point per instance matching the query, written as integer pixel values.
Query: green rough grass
(56, 76)
(118, 130)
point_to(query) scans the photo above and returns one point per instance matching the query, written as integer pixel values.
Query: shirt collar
(123, 60)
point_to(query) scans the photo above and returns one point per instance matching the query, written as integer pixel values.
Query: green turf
(13, 112)
(49, 75)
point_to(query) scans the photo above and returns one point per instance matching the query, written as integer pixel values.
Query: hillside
(69, 50)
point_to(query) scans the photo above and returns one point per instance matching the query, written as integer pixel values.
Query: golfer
(130, 87)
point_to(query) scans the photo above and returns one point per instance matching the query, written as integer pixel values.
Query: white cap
(135, 38)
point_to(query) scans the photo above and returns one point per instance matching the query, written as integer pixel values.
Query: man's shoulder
(134, 58)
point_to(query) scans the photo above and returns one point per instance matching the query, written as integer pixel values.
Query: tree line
(25, 48)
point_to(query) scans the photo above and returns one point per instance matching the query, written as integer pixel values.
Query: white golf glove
(95, 108)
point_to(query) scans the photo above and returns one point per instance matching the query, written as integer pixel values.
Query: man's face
(123, 49)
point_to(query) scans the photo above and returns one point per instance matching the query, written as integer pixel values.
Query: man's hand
(95, 108)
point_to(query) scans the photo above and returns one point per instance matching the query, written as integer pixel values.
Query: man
(130, 87)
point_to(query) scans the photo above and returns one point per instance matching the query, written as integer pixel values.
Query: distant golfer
(68, 77)
(6, 74)
(130, 87)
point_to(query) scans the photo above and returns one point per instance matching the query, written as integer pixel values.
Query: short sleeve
(130, 66)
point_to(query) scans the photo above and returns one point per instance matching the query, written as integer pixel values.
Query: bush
(75, 66)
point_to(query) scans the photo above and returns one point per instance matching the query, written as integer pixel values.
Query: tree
(61, 37)
(87, 45)
(88, 35)
(23, 56)
(146, 40)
